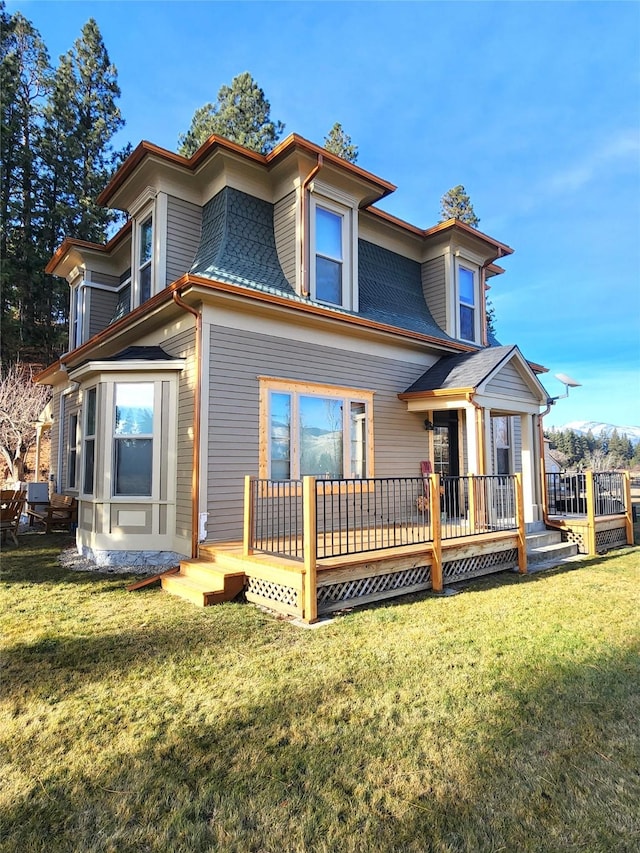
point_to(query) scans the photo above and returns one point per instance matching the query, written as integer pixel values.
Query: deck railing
(597, 493)
(354, 516)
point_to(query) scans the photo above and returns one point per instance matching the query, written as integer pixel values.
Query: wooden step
(204, 583)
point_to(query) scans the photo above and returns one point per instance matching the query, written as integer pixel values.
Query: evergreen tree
(95, 118)
(25, 83)
(241, 114)
(338, 142)
(456, 204)
(56, 158)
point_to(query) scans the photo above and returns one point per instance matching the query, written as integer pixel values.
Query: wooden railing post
(522, 532)
(628, 509)
(310, 547)
(472, 502)
(591, 513)
(436, 532)
(247, 534)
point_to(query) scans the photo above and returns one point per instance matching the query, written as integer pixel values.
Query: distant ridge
(599, 429)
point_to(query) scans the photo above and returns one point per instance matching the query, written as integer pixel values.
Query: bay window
(89, 450)
(133, 438)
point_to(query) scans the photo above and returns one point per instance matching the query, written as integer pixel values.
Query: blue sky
(533, 107)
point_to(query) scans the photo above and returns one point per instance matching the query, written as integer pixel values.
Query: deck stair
(205, 582)
(546, 548)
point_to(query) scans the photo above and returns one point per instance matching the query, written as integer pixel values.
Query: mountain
(599, 429)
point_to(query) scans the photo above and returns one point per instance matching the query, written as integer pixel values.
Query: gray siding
(71, 406)
(102, 306)
(184, 225)
(104, 278)
(434, 289)
(238, 358)
(183, 346)
(509, 382)
(284, 221)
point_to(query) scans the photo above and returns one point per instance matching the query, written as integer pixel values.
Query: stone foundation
(164, 559)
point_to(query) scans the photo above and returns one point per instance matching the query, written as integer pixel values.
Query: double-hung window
(329, 256)
(467, 303)
(333, 252)
(72, 451)
(133, 438)
(324, 433)
(502, 443)
(145, 255)
(89, 453)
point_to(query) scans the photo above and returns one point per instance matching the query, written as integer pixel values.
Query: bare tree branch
(21, 403)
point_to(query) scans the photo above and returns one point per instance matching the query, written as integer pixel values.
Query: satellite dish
(567, 380)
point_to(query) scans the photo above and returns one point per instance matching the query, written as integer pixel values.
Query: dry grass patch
(501, 718)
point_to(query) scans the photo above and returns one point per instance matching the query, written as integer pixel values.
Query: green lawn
(501, 719)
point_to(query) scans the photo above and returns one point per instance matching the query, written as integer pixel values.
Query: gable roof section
(473, 372)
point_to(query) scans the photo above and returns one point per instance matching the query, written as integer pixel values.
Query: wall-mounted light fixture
(428, 425)
(568, 382)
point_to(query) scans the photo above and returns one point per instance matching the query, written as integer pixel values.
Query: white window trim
(88, 437)
(74, 413)
(510, 447)
(269, 386)
(473, 267)
(327, 197)
(155, 436)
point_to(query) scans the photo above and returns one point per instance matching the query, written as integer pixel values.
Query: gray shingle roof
(467, 370)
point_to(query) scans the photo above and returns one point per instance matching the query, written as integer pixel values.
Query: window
(133, 439)
(502, 443)
(77, 312)
(72, 451)
(145, 253)
(89, 442)
(333, 249)
(322, 434)
(329, 256)
(467, 302)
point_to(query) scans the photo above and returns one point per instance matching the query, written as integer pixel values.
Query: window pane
(321, 437)
(328, 233)
(358, 440)
(328, 281)
(280, 436)
(89, 452)
(145, 283)
(72, 454)
(133, 463)
(146, 233)
(134, 408)
(466, 286)
(466, 323)
(91, 412)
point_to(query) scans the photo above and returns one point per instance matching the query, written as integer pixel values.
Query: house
(261, 317)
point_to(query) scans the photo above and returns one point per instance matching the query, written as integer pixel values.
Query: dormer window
(145, 255)
(329, 256)
(467, 300)
(333, 248)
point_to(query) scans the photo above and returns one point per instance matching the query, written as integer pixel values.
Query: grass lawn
(501, 719)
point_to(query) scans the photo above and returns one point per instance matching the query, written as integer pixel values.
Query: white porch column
(532, 509)
(471, 430)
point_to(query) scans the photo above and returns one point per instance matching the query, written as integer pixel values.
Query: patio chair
(11, 505)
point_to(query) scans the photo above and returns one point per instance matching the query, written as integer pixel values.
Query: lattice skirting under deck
(350, 593)
(274, 595)
(615, 538)
(576, 538)
(481, 564)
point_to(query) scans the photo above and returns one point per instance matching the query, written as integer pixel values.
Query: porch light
(428, 425)
(568, 382)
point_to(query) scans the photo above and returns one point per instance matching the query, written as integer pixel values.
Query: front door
(446, 458)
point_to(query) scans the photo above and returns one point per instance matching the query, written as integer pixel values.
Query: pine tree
(241, 114)
(93, 111)
(25, 83)
(456, 204)
(338, 142)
